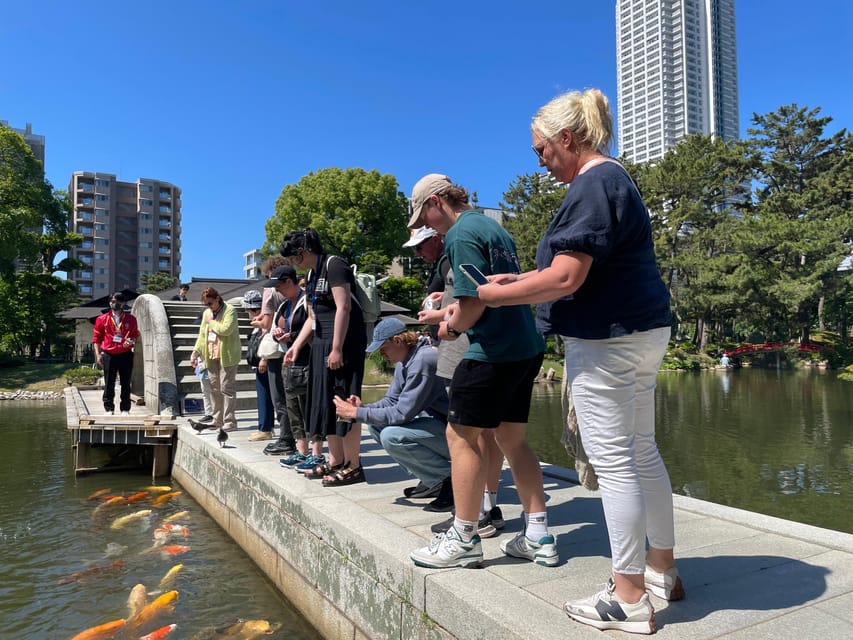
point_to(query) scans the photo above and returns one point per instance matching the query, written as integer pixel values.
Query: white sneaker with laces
(448, 550)
(666, 585)
(605, 610)
(543, 552)
(125, 413)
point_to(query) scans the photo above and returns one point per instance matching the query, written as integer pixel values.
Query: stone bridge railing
(154, 376)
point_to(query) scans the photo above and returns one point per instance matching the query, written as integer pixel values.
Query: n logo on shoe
(610, 610)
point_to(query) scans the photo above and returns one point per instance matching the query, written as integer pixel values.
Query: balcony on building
(165, 237)
(85, 186)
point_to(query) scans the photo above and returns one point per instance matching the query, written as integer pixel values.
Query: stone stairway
(184, 330)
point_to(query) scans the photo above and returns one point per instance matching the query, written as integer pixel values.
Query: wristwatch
(451, 331)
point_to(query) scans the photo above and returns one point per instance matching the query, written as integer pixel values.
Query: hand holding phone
(474, 274)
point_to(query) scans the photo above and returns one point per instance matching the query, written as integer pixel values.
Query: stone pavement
(746, 575)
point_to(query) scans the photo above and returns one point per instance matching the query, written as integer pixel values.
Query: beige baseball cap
(427, 186)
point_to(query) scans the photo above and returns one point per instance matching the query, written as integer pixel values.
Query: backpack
(367, 296)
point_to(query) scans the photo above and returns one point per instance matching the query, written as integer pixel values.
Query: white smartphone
(474, 274)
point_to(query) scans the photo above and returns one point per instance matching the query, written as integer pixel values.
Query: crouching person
(411, 420)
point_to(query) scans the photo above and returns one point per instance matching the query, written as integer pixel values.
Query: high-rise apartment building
(129, 229)
(676, 62)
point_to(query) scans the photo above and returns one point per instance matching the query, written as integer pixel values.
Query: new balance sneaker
(543, 552)
(448, 550)
(666, 585)
(605, 610)
(310, 462)
(487, 527)
(293, 459)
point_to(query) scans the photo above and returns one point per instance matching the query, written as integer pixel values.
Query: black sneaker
(444, 500)
(422, 491)
(206, 419)
(497, 518)
(278, 449)
(486, 527)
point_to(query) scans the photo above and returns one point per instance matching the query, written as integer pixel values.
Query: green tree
(154, 282)
(24, 197)
(405, 292)
(55, 237)
(29, 318)
(696, 194)
(801, 227)
(528, 207)
(360, 215)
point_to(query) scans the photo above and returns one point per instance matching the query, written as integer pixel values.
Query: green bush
(82, 376)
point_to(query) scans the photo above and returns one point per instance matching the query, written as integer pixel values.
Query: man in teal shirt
(491, 386)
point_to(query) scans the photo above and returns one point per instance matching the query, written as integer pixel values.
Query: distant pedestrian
(183, 291)
(114, 337)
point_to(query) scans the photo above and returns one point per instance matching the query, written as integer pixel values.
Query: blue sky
(231, 101)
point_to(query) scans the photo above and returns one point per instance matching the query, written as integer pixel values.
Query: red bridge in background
(775, 346)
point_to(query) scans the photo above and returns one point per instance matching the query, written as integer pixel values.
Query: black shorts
(484, 394)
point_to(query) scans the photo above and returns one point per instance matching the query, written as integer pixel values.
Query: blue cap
(387, 328)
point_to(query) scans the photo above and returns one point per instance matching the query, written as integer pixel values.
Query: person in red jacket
(115, 334)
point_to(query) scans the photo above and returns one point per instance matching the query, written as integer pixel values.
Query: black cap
(284, 272)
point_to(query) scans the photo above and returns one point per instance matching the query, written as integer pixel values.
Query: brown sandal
(321, 470)
(344, 477)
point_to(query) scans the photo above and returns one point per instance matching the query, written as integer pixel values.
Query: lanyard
(117, 323)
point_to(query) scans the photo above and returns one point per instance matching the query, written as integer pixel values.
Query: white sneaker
(666, 585)
(109, 413)
(543, 552)
(605, 610)
(125, 413)
(448, 550)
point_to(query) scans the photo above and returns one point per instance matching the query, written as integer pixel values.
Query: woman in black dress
(338, 342)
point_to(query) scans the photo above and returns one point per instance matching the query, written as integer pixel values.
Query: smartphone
(474, 274)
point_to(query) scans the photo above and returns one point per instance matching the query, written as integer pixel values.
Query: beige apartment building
(129, 229)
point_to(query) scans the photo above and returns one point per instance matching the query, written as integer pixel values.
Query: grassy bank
(35, 376)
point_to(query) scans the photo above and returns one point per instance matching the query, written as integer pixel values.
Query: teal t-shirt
(505, 334)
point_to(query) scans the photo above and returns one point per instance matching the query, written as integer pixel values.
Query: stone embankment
(23, 394)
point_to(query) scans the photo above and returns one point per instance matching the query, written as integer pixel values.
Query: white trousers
(613, 386)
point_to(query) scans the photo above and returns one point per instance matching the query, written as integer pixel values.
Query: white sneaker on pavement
(543, 552)
(605, 610)
(666, 585)
(448, 550)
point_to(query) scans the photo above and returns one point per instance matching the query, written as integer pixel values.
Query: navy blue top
(604, 216)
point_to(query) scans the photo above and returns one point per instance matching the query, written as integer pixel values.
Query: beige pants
(223, 389)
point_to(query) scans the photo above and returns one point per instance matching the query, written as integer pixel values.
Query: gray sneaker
(666, 585)
(448, 550)
(605, 610)
(543, 552)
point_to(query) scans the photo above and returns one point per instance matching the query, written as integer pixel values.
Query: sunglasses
(539, 150)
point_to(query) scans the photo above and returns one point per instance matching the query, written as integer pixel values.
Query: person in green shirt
(491, 386)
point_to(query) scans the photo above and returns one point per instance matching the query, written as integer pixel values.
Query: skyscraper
(129, 229)
(676, 62)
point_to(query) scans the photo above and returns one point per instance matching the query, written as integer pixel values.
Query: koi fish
(239, 630)
(102, 631)
(136, 497)
(123, 521)
(169, 531)
(114, 549)
(180, 515)
(137, 600)
(160, 633)
(170, 576)
(91, 571)
(161, 488)
(165, 497)
(98, 493)
(111, 502)
(163, 604)
(174, 549)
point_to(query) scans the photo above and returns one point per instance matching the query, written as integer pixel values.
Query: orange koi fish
(158, 488)
(163, 604)
(91, 571)
(169, 531)
(111, 502)
(136, 497)
(102, 631)
(160, 633)
(174, 549)
(98, 493)
(165, 497)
